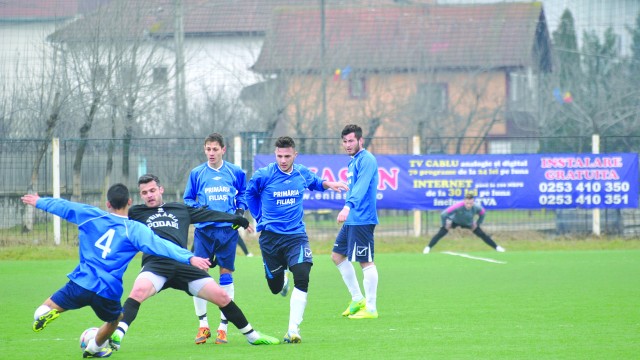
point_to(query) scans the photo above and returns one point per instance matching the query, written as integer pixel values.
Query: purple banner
(524, 181)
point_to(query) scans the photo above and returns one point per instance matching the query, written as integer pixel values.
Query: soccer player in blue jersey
(108, 241)
(274, 196)
(355, 240)
(217, 185)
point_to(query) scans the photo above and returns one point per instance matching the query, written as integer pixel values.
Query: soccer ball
(86, 336)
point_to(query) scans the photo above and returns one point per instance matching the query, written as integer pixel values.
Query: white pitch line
(474, 257)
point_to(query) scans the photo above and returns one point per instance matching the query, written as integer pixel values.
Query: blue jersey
(362, 178)
(107, 243)
(275, 197)
(222, 190)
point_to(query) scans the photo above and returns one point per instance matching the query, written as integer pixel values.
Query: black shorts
(178, 275)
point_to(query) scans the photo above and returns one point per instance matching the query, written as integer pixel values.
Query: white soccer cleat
(500, 249)
(426, 250)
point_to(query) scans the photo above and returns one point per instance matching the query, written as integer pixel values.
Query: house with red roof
(436, 71)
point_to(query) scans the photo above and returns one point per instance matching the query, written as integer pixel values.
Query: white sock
(296, 308)
(370, 283)
(349, 276)
(122, 329)
(201, 310)
(250, 333)
(41, 310)
(93, 347)
(230, 290)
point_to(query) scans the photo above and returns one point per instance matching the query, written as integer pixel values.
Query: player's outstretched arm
(200, 263)
(335, 185)
(203, 214)
(30, 199)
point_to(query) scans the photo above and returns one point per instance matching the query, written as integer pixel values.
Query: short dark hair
(352, 128)
(285, 142)
(215, 137)
(118, 196)
(147, 178)
(469, 195)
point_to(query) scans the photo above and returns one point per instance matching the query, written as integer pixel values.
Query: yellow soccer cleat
(354, 307)
(364, 314)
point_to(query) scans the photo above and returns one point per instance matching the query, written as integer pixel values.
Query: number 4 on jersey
(104, 243)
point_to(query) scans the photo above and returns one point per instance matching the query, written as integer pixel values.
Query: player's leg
(298, 301)
(69, 297)
(203, 246)
(487, 239)
(207, 289)
(226, 241)
(46, 313)
(147, 284)
(434, 240)
(109, 311)
(347, 271)
(362, 250)
(274, 264)
(299, 260)
(243, 246)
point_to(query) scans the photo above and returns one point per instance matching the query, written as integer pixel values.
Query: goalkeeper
(171, 222)
(462, 214)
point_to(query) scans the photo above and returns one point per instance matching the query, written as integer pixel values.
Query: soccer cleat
(249, 254)
(285, 287)
(114, 341)
(364, 314)
(500, 249)
(45, 319)
(426, 250)
(292, 337)
(265, 340)
(354, 307)
(203, 334)
(103, 353)
(221, 338)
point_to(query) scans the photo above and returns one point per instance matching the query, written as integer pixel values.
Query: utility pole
(323, 124)
(178, 37)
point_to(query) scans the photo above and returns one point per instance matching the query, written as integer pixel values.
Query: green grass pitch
(537, 305)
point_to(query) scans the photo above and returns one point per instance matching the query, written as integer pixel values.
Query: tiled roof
(405, 37)
(201, 17)
(32, 10)
(45, 10)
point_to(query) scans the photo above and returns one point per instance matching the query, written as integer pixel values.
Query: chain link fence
(26, 166)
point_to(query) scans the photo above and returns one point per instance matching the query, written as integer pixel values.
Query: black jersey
(171, 220)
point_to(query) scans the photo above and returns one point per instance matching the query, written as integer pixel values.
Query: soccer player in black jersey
(171, 222)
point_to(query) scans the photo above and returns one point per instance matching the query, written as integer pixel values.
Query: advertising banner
(522, 181)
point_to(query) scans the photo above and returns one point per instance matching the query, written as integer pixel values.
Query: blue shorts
(355, 242)
(218, 242)
(282, 251)
(73, 296)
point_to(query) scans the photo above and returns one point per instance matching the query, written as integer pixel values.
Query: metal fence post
(417, 214)
(55, 165)
(595, 147)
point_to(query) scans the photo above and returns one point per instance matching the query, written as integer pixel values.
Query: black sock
(130, 312)
(234, 315)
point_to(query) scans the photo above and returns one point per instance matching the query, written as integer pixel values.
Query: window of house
(357, 87)
(514, 146)
(432, 98)
(522, 91)
(127, 74)
(160, 75)
(99, 73)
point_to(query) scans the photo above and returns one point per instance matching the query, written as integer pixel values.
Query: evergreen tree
(565, 44)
